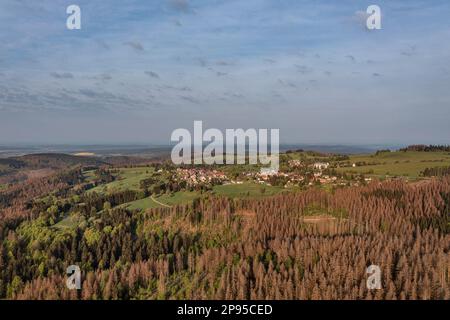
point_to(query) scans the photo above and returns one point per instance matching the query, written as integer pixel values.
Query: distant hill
(126, 160)
(330, 149)
(49, 161)
(19, 168)
(15, 169)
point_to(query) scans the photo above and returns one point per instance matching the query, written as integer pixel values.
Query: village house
(295, 163)
(321, 165)
(195, 176)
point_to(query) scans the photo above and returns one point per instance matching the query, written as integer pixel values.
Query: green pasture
(246, 190)
(167, 199)
(408, 164)
(126, 179)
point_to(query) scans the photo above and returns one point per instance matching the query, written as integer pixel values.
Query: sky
(137, 70)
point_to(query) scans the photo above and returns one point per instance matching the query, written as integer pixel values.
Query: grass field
(89, 175)
(169, 200)
(304, 155)
(70, 222)
(231, 190)
(246, 190)
(126, 179)
(408, 164)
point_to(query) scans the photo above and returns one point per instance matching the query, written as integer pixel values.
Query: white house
(321, 165)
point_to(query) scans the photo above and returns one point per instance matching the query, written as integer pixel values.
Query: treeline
(436, 172)
(382, 151)
(94, 202)
(427, 148)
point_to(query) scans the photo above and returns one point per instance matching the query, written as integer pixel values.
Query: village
(295, 173)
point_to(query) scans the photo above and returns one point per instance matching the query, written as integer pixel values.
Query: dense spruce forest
(312, 244)
(435, 172)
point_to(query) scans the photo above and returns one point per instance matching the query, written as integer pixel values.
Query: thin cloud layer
(180, 5)
(311, 69)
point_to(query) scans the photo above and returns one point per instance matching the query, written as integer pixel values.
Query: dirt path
(318, 219)
(160, 203)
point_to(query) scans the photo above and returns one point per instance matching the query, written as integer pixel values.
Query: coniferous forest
(313, 244)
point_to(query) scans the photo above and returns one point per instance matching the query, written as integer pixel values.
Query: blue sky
(139, 70)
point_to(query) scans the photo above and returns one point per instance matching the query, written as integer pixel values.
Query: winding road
(160, 203)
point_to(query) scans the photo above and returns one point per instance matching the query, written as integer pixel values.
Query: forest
(426, 148)
(314, 244)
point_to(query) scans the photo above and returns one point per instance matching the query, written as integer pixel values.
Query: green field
(89, 175)
(70, 222)
(304, 155)
(231, 190)
(167, 199)
(409, 164)
(126, 179)
(246, 190)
